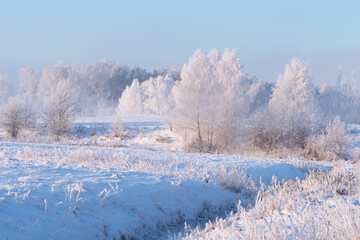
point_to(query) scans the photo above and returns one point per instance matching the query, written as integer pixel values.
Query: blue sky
(158, 33)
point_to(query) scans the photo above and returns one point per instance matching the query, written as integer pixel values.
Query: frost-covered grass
(140, 192)
(216, 169)
(93, 185)
(324, 205)
(141, 132)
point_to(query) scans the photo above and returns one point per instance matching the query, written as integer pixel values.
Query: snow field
(96, 192)
(96, 186)
(52, 202)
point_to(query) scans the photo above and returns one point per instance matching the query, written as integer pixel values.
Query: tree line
(212, 102)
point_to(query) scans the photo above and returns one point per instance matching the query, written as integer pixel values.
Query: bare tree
(60, 108)
(16, 115)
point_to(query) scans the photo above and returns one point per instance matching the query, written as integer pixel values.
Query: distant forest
(99, 85)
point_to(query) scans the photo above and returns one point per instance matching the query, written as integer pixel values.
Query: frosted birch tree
(211, 100)
(294, 107)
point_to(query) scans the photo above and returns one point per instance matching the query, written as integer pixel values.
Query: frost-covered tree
(4, 88)
(172, 73)
(16, 115)
(195, 99)
(50, 78)
(60, 108)
(342, 100)
(131, 101)
(124, 76)
(91, 80)
(211, 100)
(262, 93)
(29, 82)
(100, 84)
(294, 107)
(158, 98)
(152, 96)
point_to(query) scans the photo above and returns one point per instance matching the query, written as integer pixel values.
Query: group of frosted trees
(217, 106)
(58, 93)
(152, 96)
(212, 103)
(99, 85)
(302, 119)
(57, 110)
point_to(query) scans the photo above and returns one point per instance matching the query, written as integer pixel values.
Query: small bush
(262, 135)
(164, 139)
(267, 135)
(15, 116)
(331, 144)
(119, 129)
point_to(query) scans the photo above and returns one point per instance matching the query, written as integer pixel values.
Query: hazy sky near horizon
(163, 33)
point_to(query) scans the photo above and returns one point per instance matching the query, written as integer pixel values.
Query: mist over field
(179, 120)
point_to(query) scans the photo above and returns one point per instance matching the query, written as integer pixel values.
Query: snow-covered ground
(93, 185)
(52, 202)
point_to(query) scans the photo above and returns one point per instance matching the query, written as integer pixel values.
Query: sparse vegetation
(322, 206)
(60, 109)
(15, 116)
(119, 130)
(332, 144)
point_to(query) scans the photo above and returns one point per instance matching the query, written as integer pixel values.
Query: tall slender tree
(294, 105)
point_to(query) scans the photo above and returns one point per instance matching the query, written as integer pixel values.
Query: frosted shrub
(331, 144)
(262, 134)
(15, 116)
(235, 180)
(119, 130)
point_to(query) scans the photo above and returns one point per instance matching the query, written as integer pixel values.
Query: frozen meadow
(228, 157)
(92, 185)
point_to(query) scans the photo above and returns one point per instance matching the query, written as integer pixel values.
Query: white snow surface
(51, 202)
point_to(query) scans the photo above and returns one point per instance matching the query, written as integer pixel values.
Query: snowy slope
(47, 201)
